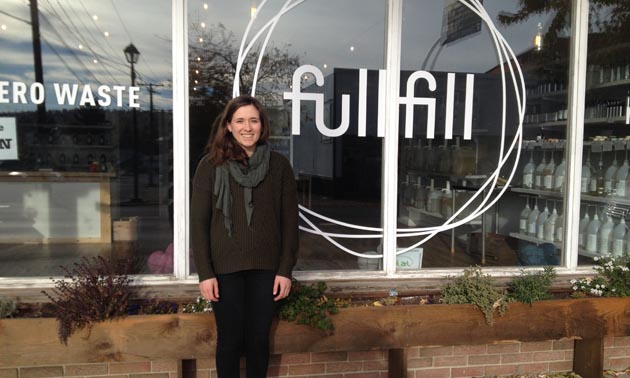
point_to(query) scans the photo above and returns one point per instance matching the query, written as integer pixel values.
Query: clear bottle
(410, 194)
(539, 173)
(550, 226)
(433, 201)
(421, 195)
(604, 237)
(548, 173)
(584, 229)
(558, 177)
(522, 226)
(619, 237)
(559, 233)
(591, 234)
(540, 223)
(528, 172)
(609, 176)
(531, 220)
(596, 186)
(586, 174)
(621, 178)
(446, 205)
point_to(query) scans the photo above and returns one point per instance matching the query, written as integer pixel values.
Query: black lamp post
(132, 54)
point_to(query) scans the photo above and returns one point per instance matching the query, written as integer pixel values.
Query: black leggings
(243, 316)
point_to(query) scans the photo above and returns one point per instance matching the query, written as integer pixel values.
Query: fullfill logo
(506, 61)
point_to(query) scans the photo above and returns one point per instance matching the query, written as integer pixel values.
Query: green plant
(532, 286)
(201, 305)
(7, 308)
(473, 287)
(612, 279)
(93, 291)
(152, 307)
(309, 305)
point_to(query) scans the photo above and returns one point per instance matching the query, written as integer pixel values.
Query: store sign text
(409, 100)
(8, 139)
(70, 94)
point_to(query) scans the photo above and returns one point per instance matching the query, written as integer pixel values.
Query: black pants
(243, 317)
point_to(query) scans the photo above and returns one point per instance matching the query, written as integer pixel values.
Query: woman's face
(245, 127)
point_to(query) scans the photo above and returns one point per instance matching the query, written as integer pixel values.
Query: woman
(244, 230)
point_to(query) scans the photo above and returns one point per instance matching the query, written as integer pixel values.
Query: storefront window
(339, 178)
(440, 174)
(605, 192)
(85, 135)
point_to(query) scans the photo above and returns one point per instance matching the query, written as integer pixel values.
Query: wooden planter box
(190, 336)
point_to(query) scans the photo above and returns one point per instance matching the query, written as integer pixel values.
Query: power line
(62, 60)
(121, 21)
(15, 17)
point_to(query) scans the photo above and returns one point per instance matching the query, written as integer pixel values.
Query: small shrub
(201, 305)
(473, 287)
(7, 308)
(612, 279)
(152, 307)
(532, 286)
(309, 305)
(93, 292)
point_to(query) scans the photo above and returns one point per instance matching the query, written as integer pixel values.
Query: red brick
(307, 369)
(164, 365)
(330, 356)
(500, 370)
(515, 358)
(568, 355)
(617, 363)
(609, 341)
(85, 369)
(614, 352)
(129, 367)
(470, 350)
(342, 367)
(561, 366)
(413, 352)
(206, 363)
(450, 361)
(201, 374)
(294, 359)
(414, 363)
(150, 375)
(548, 356)
(490, 359)
(111, 376)
(467, 372)
(277, 371)
(411, 374)
(621, 341)
(504, 348)
(41, 372)
(433, 373)
(436, 351)
(372, 374)
(175, 374)
(539, 367)
(214, 374)
(537, 346)
(563, 344)
(9, 373)
(366, 355)
(326, 376)
(379, 365)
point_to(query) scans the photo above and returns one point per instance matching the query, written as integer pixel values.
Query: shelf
(585, 197)
(531, 239)
(439, 216)
(587, 121)
(592, 87)
(450, 176)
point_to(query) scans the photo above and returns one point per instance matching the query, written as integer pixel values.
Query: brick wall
(423, 362)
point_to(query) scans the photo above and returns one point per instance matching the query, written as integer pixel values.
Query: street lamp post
(132, 55)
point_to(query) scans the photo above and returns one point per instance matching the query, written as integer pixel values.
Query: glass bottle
(586, 174)
(531, 220)
(584, 229)
(550, 226)
(604, 237)
(591, 234)
(558, 177)
(539, 173)
(540, 223)
(522, 226)
(410, 194)
(528, 172)
(433, 202)
(402, 192)
(618, 238)
(446, 205)
(559, 233)
(597, 179)
(548, 173)
(621, 178)
(421, 195)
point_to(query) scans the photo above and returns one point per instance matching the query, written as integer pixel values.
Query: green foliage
(201, 305)
(7, 308)
(93, 291)
(532, 286)
(309, 305)
(473, 287)
(612, 279)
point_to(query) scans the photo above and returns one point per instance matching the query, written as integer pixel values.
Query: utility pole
(37, 55)
(152, 136)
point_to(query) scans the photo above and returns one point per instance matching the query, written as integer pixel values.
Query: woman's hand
(210, 289)
(281, 288)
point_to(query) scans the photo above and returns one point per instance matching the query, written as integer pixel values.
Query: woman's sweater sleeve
(200, 217)
(290, 242)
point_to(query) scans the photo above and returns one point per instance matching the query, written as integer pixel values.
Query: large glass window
(339, 178)
(85, 135)
(453, 142)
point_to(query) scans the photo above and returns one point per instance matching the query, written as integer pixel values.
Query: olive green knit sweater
(271, 242)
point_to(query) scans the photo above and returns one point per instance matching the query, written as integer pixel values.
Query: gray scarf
(248, 177)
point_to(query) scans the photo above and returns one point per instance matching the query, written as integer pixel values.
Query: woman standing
(244, 229)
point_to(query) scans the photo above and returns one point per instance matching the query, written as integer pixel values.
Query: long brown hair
(222, 146)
